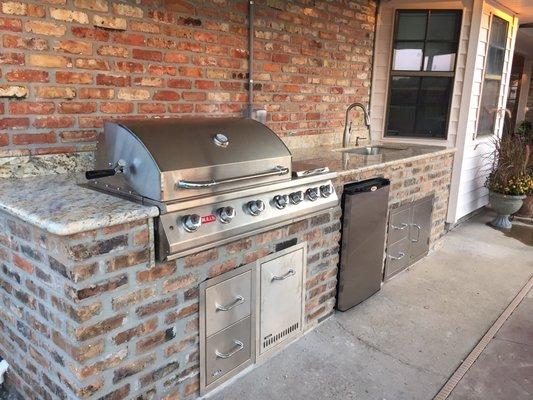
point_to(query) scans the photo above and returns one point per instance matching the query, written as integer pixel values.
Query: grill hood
(175, 159)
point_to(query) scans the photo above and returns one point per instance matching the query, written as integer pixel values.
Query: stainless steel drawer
(399, 224)
(228, 302)
(397, 257)
(228, 349)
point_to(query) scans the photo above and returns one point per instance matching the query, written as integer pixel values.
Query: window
(422, 73)
(492, 81)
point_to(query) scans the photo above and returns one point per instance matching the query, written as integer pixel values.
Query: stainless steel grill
(214, 180)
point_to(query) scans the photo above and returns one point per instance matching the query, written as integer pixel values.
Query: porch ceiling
(524, 9)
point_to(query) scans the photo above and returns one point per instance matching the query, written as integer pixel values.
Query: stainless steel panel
(228, 302)
(162, 152)
(228, 349)
(175, 241)
(420, 228)
(399, 224)
(363, 245)
(281, 298)
(397, 258)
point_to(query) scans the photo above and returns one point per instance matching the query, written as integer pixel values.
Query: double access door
(408, 235)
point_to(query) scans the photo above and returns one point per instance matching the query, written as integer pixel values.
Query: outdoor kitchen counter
(346, 163)
(57, 204)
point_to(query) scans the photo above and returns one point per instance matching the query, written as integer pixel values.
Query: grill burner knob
(226, 214)
(312, 193)
(256, 207)
(296, 197)
(192, 222)
(326, 190)
(281, 201)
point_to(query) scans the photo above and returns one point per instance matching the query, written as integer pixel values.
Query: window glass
(439, 56)
(443, 25)
(492, 80)
(408, 56)
(422, 73)
(411, 25)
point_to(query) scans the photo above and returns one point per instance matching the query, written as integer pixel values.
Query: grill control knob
(226, 214)
(296, 197)
(192, 222)
(326, 190)
(281, 201)
(256, 207)
(312, 193)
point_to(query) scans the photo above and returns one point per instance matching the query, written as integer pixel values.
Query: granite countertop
(345, 162)
(57, 204)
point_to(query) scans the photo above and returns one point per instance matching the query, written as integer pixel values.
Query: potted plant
(525, 129)
(510, 177)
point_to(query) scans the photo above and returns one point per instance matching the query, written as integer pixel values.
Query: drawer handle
(290, 272)
(400, 256)
(418, 229)
(402, 226)
(238, 347)
(238, 301)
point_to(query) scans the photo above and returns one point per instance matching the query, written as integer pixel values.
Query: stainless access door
(420, 228)
(365, 207)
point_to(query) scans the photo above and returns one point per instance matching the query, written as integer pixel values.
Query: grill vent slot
(271, 339)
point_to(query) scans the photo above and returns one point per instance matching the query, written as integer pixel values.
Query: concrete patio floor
(406, 341)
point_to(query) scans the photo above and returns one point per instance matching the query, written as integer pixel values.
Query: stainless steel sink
(373, 150)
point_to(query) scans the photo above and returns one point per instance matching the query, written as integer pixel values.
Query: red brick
(34, 138)
(78, 136)
(10, 24)
(129, 66)
(166, 95)
(151, 108)
(95, 93)
(4, 140)
(54, 122)
(76, 108)
(23, 264)
(90, 33)
(116, 108)
(73, 77)
(179, 83)
(74, 47)
(150, 55)
(176, 58)
(18, 42)
(113, 80)
(27, 75)
(12, 58)
(14, 123)
(31, 108)
(194, 96)
(131, 39)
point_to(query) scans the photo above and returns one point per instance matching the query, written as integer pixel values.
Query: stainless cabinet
(408, 235)
(227, 326)
(280, 306)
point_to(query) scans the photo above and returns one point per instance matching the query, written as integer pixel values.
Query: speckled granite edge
(24, 165)
(399, 161)
(57, 204)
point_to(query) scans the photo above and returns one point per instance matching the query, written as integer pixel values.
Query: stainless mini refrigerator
(364, 225)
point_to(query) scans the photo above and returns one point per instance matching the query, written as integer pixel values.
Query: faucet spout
(366, 116)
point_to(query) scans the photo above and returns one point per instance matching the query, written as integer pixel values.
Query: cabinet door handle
(238, 301)
(402, 226)
(401, 255)
(238, 347)
(418, 229)
(290, 272)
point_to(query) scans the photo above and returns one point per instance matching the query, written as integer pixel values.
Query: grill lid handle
(279, 170)
(118, 168)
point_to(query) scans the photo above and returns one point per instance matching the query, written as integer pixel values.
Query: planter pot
(527, 208)
(504, 205)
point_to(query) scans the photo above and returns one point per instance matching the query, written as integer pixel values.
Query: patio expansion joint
(377, 349)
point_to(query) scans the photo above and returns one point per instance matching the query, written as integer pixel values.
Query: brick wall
(67, 65)
(414, 180)
(91, 316)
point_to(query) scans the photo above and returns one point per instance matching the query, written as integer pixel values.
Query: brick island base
(92, 316)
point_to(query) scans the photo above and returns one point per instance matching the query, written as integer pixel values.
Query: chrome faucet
(348, 127)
